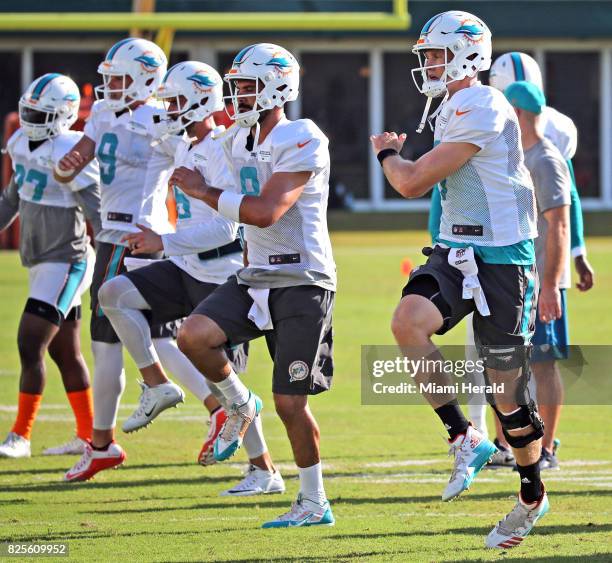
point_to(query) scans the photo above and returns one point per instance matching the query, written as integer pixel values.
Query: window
(10, 91)
(403, 109)
(573, 88)
(334, 94)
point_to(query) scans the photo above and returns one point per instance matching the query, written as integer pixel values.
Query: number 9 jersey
(296, 250)
(133, 176)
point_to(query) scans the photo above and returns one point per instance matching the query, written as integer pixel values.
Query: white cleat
(304, 512)
(153, 401)
(239, 417)
(76, 446)
(15, 446)
(513, 529)
(257, 482)
(472, 452)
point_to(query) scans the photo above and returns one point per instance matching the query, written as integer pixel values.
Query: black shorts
(301, 342)
(173, 294)
(110, 263)
(511, 292)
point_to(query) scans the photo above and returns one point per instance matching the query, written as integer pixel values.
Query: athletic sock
(531, 484)
(452, 417)
(311, 483)
(27, 409)
(234, 390)
(478, 417)
(82, 407)
(102, 448)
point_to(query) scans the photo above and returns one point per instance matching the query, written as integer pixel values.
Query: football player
(485, 253)
(203, 252)
(286, 291)
(561, 131)
(54, 247)
(119, 134)
(552, 181)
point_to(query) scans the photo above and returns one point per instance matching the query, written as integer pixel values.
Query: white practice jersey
(296, 250)
(490, 200)
(133, 175)
(200, 228)
(561, 131)
(33, 170)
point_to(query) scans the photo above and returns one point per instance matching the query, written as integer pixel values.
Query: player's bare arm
(415, 178)
(80, 156)
(585, 273)
(276, 198)
(557, 243)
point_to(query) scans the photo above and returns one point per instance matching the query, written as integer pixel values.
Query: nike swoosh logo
(460, 113)
(302, 145)
(152, 409)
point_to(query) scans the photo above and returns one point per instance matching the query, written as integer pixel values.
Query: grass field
(385, 467)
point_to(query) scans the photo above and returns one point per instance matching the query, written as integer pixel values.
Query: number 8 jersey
(296, 250)
(133, 177)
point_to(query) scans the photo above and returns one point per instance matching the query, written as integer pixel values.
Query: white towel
(259, 313)
(132, 263)
(463, 259)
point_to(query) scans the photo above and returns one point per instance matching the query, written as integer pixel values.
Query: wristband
(229, 205)
(63, 173)
(384, 154)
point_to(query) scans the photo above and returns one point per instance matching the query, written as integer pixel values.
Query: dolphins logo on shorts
(298, 371)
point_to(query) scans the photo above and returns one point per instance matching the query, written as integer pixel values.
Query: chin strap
(432, 117)
(256, 137)
(424, 116)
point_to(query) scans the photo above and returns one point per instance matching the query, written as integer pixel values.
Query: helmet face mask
(38, 124)
(177, 115)
(275, 73)
(49, 107)
(141, 65)
(430, 87)
(249, 117)
(116, 98)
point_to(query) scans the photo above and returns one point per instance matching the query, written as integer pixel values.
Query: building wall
(353, 87)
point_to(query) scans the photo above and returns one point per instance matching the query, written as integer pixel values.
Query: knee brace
(523, 417)
(506, 358)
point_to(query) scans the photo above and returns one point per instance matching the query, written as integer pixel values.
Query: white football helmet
(140, 60)
(460, 33)
(201, 88)
(510, 67)
(49, 106)
(465, 36)
(276, 73)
